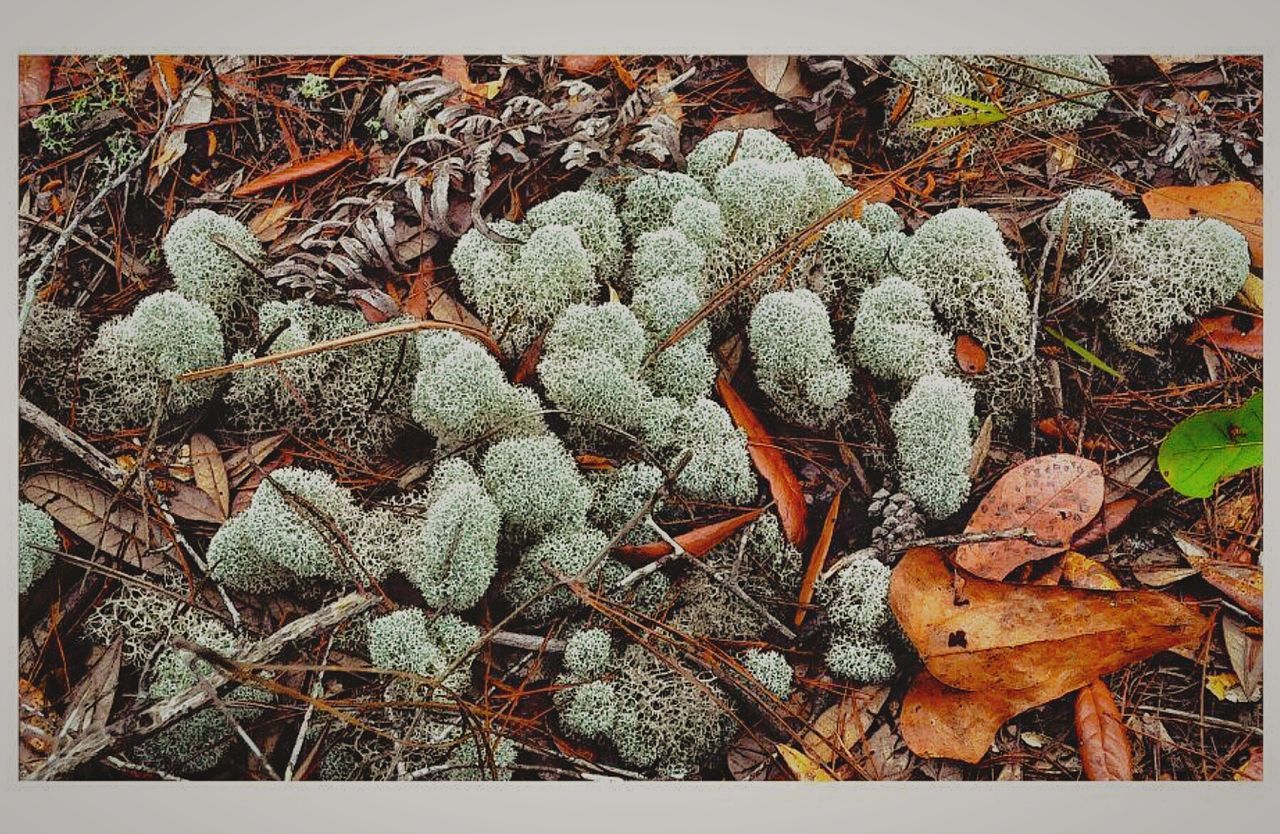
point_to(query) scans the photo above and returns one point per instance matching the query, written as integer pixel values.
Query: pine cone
(897, 522)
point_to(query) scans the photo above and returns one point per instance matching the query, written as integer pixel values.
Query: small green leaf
(1084, 353)
(982, 113)
(1207, 447)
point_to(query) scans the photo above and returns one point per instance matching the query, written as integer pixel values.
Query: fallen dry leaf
(779, 74)
(845, 724)
(209, 470)
(1251, 770)
(1105, 754)
(1231, 331)
(194, 504)
(802, 767)
(89, 512)
(1251, 293)
(304, 169)
(1244, 650)
(1113, 514)
(34, 74)
(93, 695)
(976, 634)
(939, 722)
(1053, 495)
(584, 64)
(971, 356)
(1242, 583)
(772, 464)
(817, 559)
(1079, 571)
(762, 119)
(1237, 203)
(196, 111)
(268, 224)
(696, 542)
(454, 68)
(244, 462)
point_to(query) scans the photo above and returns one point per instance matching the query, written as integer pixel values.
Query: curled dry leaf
(817, 559)
(92, 514)
(1105, 754)
(971, 356)
(772, 464)
(696, 542)
(304, 169)
(1237, 203)
(1054, 496)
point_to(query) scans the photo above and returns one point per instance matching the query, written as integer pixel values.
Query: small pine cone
(897, 522)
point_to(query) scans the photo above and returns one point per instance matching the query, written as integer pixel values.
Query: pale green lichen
(36, 536)
(793, 352)
(932, 428)
(206, 253)
(895, 335)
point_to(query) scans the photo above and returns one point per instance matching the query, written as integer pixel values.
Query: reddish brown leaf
(305, 169)
(971, 356)
(528, 364)
(1079, 571)
(90, 513)
(695, 542)
(209, 471)
(1064, 428)
(1239, 332)
(772, 464)
(818, 559)
(418, 302)
(1105, 754)
(164, 76)
(34, 72)
(1236, 203)
(1053, 496)
(976, 634)
(584, 64)
(1113, 514)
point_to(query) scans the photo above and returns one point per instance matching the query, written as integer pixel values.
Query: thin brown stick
(342, 342)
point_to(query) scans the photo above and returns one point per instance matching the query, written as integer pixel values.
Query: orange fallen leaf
(1113, 514)
(1231, 331)
(973, 633)
(695, 542)
(164, 76)
(772, 464)
(993, 650)
(1054, 496)
(583, 64)
(1242, 583)
(454, 68)
(1105, 754)
(817, 559)
(971, 357)
(1079, 571)
(1065, 428)
(304, 169)
(528, 363)
(1236, 203)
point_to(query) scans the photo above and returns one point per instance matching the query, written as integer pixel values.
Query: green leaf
(1084, 353)
(981, 113)
(1207, 447)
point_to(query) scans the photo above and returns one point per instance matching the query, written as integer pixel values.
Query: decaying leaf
(1054, 496)
(34, 73)
(772, 464)
(1079, 571)
(243, 462)
(1113, 514)
(696, 542)
(93, 695)
(89, 512)
(1237, 203)
(194, 504)
(992, 650)
(1105, 754)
